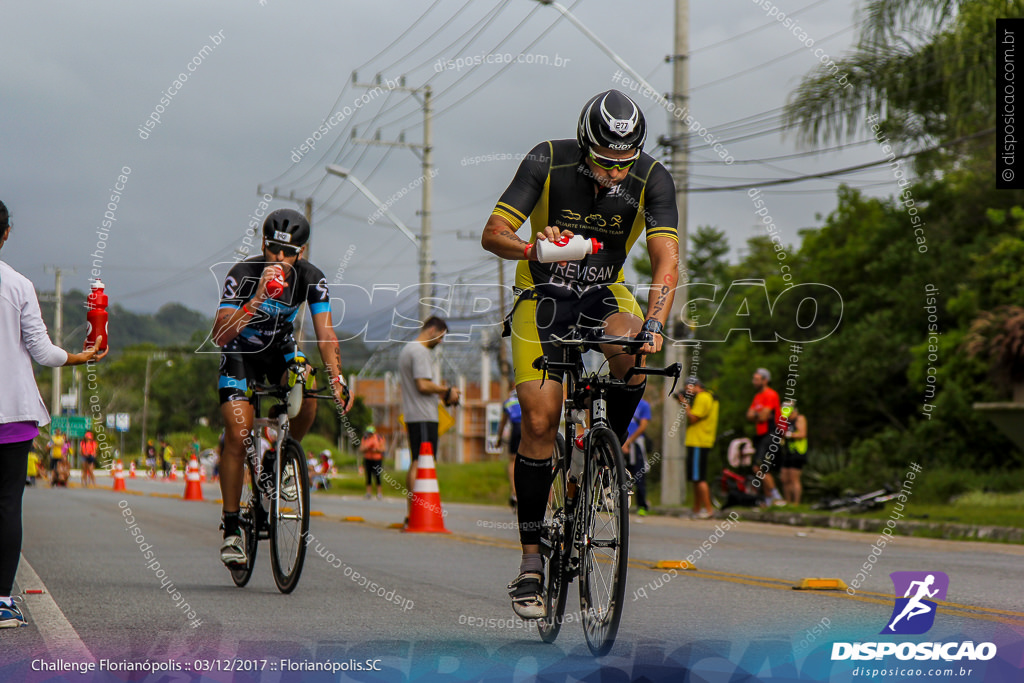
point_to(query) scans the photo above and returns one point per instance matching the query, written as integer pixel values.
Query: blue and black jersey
(274, 318)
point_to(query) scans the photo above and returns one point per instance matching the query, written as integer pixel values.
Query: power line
(753, 30)
(841, 171)
(762, 65)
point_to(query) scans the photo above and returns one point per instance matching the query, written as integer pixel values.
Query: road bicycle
(275, 495)
(585, 532)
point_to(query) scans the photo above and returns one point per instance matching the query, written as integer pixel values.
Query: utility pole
(673, 429)
(425, 152)
(58, 333)
(503, 364)
(307, 209)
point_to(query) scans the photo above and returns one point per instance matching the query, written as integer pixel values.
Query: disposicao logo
(914, 614)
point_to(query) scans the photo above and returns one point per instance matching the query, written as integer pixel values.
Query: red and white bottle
(275, 286)
(96, 316)
(566, 248)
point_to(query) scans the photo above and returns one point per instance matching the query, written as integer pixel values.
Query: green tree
(925, 68)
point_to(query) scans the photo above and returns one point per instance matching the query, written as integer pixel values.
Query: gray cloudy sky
(79, 79)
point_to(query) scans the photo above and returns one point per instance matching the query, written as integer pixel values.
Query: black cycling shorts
(766, 452)
(239, 370)
(536, 320)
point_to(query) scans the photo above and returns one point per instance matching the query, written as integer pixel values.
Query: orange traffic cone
(193, 488)
(426, 516)
(131, 470)
(118, 474)
(173, 476)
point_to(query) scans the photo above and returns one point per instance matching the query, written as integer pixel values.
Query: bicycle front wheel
(249, 513)
(556, 543)
(289, 521)
(604, 506)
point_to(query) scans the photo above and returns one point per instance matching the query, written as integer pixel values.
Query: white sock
(6, 601)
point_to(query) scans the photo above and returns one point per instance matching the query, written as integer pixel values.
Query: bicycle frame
(571, 539)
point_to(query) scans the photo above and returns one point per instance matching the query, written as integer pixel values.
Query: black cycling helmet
(610, 119)
(287, 227)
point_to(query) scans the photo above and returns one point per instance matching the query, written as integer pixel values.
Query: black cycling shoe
(527, 593)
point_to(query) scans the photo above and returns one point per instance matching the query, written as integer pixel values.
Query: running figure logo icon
(914, 613)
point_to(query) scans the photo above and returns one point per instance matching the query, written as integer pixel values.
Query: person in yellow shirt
(702, 427)
(33, 468)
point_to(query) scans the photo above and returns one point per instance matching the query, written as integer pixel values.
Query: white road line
(59, 635)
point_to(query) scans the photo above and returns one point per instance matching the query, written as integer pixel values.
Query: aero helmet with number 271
(610, 119)
(287, 227)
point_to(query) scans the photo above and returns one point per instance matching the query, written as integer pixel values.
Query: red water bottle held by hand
(275, 286)
(96, 317)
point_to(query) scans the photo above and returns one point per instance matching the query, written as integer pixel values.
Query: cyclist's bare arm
(501, 239)
(330, 353)
(664, 253)
(230, 323)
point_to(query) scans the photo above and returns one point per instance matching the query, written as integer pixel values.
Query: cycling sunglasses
(277, 248)
(612, 164)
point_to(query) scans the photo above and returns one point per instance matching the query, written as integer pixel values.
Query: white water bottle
(566, 248)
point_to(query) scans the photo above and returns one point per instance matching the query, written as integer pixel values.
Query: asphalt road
(736, 617)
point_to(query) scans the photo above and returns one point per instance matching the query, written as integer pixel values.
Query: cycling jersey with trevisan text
(554, 186)
(273, 319)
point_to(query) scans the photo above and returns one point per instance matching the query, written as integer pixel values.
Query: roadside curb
(945, 530)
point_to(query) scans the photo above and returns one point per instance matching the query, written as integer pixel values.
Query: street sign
(122, 422)
(492, 413)
(75, 426)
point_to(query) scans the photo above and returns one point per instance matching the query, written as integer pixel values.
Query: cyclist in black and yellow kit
(600, 185)
(254, 330)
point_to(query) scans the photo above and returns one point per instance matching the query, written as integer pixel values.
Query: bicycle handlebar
(594, 337)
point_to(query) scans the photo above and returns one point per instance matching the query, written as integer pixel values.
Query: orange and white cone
(173, 476)
(118, 474)
(131, 470)
(426, 515)
(193, 487)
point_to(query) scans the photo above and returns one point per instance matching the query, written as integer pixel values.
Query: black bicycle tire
(557, 588)
(603, 446)
(247, 524)
(286, 582)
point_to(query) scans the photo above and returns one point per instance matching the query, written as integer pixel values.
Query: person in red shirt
(765, 412)
(372, 446)
(88, 459)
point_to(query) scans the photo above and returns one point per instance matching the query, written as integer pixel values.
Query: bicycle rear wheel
(248, 520)
(289, 522)
(604, 506)
(556, 543)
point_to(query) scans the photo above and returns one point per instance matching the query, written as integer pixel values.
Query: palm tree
(924, 68)
(999, 336)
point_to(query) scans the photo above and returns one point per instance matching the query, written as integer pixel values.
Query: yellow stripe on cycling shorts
(593, 307)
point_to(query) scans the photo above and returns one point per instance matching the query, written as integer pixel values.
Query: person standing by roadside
(796, 453)
(765, 413)
(23, 338)
(56, 446)
(33, 468)
(166, 457)
(89, 447)
(420, 391)
(372, 445)
(635, 450)
(151, 459)
(701, 431)
(512, 414)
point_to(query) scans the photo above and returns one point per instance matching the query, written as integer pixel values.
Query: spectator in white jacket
(23, 337)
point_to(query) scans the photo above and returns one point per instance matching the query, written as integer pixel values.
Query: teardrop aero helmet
(285, 228)
(610, 119)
